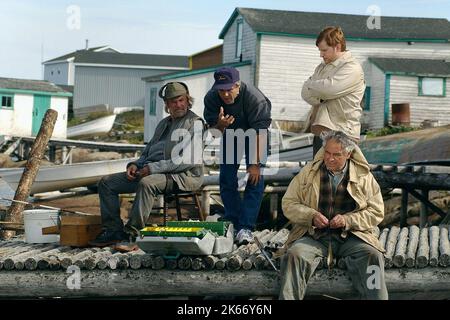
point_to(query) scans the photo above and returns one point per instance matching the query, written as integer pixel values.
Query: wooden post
(400, 252)
(404, 208)
(390, 246)
(206, 202)
(424, 210)
(423, 252)
(444, 247)
(434, 246)
(413, 243)
(14, 214)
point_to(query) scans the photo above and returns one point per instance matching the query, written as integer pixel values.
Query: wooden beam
(430, 283)
(14, 213)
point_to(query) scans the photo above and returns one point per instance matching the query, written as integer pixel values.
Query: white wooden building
(280, 46)
(24, 103)
(104, 78)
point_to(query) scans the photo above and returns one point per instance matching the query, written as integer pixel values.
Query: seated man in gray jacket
(171, 160)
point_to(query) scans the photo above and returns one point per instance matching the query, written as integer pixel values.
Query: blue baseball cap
(225, 78)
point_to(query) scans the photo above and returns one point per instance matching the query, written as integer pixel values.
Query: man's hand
(224, 121)
(337, 222)
(320, 221)
(254, 174)
(131, 172)
(145, 171)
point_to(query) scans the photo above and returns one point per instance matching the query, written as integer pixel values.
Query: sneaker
(107, 238)
(244, 236)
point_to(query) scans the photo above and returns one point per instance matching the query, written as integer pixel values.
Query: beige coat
(300, 203)
(335, 91)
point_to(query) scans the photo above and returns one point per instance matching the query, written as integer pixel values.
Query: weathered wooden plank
(210, 262)
(383, 237)
(434, 246)
(423, 253)
(401, 283)
(400, 251)
(444, 247)
(390, 246)
(412, 246)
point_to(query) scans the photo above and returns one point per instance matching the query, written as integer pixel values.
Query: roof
(66, 88)
(129, 59)
(309, 24)
(179, 74)
(416, 67)
(29, 85)
(74, 54)
(133, 59)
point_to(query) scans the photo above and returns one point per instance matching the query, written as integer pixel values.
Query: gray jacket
(185, 165)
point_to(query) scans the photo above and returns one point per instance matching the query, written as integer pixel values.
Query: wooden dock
(417, 267)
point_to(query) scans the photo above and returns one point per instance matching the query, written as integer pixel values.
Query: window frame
(444, 84)
(1, 101)
(239, 23)
(152, 105)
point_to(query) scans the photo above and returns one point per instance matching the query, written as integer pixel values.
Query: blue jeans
(241, 212)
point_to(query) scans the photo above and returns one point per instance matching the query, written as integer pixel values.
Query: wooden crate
(76, 230)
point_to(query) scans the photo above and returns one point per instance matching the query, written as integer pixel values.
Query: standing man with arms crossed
(231, 105)
(335, 90)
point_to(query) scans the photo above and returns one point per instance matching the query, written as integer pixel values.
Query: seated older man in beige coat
(334, 204)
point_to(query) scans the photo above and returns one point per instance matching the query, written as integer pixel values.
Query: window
(432, 86)
(7, 101)
(152, 102)
(239, 32)
(365, 103)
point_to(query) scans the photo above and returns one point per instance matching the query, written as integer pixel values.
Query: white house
(24, 103)
(280, 47)
(107, 77)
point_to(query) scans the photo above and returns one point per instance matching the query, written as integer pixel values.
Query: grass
(389, 130)
(130, 120)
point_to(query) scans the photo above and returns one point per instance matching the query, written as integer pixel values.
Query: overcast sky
(35, 31)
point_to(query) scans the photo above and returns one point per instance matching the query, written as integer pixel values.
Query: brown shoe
(125, 247)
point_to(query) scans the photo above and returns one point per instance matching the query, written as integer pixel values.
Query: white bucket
(35, 220)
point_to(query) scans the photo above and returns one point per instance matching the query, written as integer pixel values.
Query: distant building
(104, 78)
(24, 103)
(279, 50)
(206, 58)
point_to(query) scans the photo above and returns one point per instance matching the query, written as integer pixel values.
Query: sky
(33, 31)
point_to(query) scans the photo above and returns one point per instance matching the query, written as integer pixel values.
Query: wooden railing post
(14, 213)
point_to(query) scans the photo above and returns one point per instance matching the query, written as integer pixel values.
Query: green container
(198, 233)
(219, 227)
